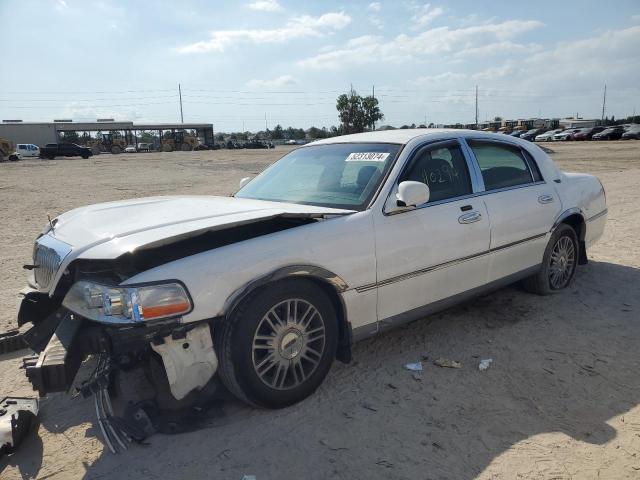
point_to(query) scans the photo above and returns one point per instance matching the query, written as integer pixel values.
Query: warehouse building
(41, 133)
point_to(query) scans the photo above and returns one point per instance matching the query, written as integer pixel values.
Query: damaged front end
(124, 327)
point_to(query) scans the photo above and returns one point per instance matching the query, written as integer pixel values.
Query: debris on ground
(485, 364)
(446, 363)
(17, 415)
(417, 376)
(414, 367)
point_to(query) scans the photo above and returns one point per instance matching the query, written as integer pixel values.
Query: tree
(357, 113)
(70, 137)
(372, 112)
(277, 133)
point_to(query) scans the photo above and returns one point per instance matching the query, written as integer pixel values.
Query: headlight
(127, 304)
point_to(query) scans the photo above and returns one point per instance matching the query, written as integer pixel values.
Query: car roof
(405, 135)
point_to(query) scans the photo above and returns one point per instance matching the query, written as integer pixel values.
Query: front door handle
(470, 217)
(545, 199)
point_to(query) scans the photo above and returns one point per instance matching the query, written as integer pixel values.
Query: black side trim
(420, 312)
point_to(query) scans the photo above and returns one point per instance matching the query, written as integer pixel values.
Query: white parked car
(130, 149)
(28, 150)
(337, 241)
(565, 135)
(548, 136)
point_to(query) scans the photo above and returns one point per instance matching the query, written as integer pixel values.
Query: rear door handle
(470, 217)
(545, 199)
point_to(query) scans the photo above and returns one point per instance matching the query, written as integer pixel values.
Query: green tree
(357, 113)
(372, 111)
(277, 133)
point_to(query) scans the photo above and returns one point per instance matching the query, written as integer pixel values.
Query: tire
(280, 372)
(186, 147)
(546, 282)
(85, 156)
(115, 149)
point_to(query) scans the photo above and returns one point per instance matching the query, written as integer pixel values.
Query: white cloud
(61, 5)
(296, 27)
(424, 14)
(281, 81)
(436, 41)
(375, 6)
(376, 21)
(265, 5)
(635, 18)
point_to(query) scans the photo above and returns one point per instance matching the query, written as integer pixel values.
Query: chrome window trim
(465, 197)
(477, 182)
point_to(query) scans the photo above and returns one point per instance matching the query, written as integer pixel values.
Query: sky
(247, 64)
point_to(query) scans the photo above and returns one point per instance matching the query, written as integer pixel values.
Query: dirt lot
(561, 399)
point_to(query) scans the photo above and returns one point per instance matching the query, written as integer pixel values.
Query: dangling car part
(17, 416)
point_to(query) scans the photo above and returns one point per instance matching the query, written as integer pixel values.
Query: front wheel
(558, 264)
(277, 347)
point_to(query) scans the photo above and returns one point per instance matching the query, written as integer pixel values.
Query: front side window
(443, 169)
(501, 165)
(339, 175)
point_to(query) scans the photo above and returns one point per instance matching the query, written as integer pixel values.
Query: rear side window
(501, 165)
(443, 169)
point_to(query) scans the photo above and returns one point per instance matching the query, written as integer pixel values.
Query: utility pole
(476, 107)
(373, 94)
(604, 101)
(180, 95)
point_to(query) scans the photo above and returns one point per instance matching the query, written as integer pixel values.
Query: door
(436, 250)
(522, 206)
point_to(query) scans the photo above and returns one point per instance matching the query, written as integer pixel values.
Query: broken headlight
(127, 304)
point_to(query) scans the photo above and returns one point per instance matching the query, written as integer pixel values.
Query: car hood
(107, 230)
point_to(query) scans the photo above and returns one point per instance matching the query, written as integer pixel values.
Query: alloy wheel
(562, 263)
(288, 344)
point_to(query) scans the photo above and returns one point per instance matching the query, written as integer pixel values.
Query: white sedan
(337, 241)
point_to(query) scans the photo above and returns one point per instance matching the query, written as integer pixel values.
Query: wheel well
(344, 328)
(576, 221)
(345, 337)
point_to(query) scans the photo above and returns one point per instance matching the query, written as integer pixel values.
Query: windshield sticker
(367, 157)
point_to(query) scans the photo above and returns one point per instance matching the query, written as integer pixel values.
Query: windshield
(340, 175)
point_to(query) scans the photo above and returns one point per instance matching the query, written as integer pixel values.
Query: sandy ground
(561, 399)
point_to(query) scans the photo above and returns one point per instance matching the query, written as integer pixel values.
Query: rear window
(501, 165)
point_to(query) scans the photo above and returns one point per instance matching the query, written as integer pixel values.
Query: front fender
(309, 271)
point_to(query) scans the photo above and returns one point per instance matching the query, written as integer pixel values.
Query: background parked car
(611, 133)
(53, 150)
(547, 136)
(144, 147)
(633, 132)
(565, 135)
(130, 149)
(28, 150)
(531, 134)
(517, 133)
(587, 133)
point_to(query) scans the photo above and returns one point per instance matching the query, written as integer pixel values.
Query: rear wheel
(277, 347)
(558, 265)
(115, 149)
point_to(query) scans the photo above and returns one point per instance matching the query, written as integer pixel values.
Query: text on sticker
(367, 157)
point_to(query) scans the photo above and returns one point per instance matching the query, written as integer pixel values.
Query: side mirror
(412, 194)
(244, 181)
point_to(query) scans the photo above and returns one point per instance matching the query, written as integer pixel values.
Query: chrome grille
(48, 255)
(47, 262)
